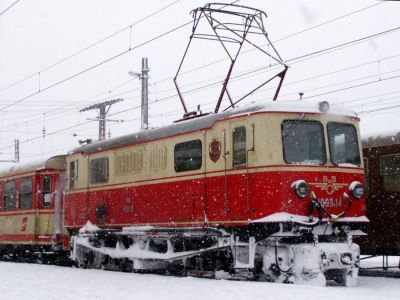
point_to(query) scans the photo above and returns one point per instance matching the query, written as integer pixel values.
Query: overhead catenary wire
(170, 97)
(165, 7)
(100, 63)
(190, 22)
(9, 7)
(51, 66)
(328, 22)
(305, 56)
(137, 107)
(352, 87)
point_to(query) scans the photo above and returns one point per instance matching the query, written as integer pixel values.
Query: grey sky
(36, 34)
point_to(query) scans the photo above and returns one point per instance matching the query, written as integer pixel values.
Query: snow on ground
(29, 281)
(393, 261)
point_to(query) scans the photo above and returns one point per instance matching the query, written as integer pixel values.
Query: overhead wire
(352, 87)
(122, 53)
(214, 83)
(89, 46)
(314, 53)
(9, 7)
(99, 64)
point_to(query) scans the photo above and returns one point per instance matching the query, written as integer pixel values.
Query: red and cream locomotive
(271, 191)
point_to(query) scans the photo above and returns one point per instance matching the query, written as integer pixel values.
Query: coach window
(390, 172)
(239, 147)
(46, 191)
(188, 156)
(73, 173)
(99, 170)
(343, 144)
(303, 142)
(366, 175)
(9, 195)
(25, 193)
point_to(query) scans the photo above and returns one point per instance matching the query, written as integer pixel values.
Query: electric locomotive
(272, 191)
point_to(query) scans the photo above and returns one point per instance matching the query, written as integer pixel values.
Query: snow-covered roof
(208, 121)
(43, 162)
(380, 139)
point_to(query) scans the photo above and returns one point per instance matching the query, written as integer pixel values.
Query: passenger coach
(31, 207)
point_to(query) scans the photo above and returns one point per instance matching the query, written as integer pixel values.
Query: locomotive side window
(73, 173)
(99, 170)
(239, 147)
(343, 144)
(188, 156)
(46, 191)
(390, 172)
(9, 195)
(25, 193)
(303, 142)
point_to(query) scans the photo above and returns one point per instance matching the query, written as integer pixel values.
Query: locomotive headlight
(357, 189)
(301, 188)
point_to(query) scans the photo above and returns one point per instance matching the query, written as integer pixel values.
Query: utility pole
(144, 77)
(16, 150)
(103, 108)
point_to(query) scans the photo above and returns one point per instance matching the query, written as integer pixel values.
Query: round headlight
(357, 189)
(301, 188)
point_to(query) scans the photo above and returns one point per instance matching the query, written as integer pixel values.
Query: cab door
(45, 206)
(238, 176)
(76, 200)
(227, 180)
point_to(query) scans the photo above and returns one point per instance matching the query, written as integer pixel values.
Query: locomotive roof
(207, 122)
(53, 162)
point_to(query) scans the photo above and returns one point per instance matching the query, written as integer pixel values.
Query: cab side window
(9, 195)
(239, 147)
(73, 174)
(25, 193)
(46, 191)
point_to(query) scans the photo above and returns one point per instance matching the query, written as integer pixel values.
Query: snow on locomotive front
(272, 191)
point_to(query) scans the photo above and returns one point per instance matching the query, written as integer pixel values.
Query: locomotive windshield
(343, 144)
(303, 142)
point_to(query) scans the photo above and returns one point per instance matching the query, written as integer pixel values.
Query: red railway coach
(268, 191)
(382, 164)
(31, 209)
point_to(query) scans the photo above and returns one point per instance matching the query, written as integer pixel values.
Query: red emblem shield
(215, 150)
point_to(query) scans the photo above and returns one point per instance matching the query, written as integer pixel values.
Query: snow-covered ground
(28, 281)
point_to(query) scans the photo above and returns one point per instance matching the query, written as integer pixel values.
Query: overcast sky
(34, 35)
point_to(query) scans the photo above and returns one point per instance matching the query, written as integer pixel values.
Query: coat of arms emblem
(215, 150)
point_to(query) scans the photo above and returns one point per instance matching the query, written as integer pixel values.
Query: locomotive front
(309, 186)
